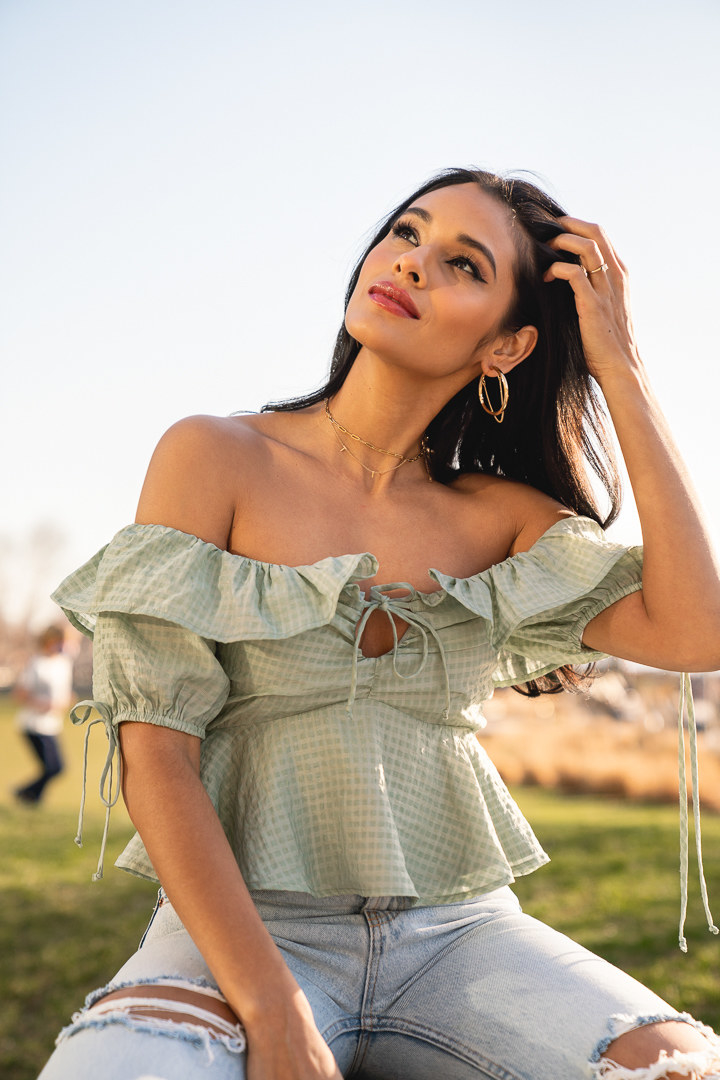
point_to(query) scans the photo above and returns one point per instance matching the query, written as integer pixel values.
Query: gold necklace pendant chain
(351, 434)
(424, 451)
(373, 472)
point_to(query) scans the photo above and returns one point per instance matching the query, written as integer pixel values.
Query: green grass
(612, 885)
(61, 935)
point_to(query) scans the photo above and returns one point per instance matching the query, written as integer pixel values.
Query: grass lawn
(61, 935)
(612, 885)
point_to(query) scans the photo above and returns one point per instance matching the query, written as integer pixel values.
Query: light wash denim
(467, 990)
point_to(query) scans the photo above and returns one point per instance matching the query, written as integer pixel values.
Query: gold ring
(597, 269)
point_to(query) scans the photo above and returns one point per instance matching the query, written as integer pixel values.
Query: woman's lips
(388, 296)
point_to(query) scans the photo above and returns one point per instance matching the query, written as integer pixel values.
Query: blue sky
(186, 185)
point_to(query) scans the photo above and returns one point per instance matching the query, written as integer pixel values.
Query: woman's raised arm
(675, 621)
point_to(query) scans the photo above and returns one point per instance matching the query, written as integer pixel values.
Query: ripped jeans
(467, 991)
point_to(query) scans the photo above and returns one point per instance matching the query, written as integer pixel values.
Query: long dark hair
(555, 427)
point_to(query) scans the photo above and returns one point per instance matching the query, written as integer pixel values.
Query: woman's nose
(411, 264)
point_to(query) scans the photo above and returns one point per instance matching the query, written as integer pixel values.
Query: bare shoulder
(526, 512)
(195, 473)
(203, 438)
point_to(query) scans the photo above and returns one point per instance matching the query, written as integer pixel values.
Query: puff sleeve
(536, 604)
(543, 599)
(146, 668)
(154, 671)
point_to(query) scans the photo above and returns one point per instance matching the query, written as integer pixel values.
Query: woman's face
(434, 293)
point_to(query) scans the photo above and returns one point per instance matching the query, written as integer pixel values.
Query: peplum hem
(134, 861)
(283, 841)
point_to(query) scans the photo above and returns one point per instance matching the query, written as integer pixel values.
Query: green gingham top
(331, 772)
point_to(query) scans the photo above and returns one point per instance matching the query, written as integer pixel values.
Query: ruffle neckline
(161, 572)
(156, 571)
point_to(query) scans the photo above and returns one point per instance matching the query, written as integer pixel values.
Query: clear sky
(185, 185)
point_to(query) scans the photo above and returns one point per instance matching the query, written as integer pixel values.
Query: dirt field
(571, 742)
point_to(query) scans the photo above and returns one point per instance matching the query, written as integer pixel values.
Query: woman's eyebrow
(462, 238)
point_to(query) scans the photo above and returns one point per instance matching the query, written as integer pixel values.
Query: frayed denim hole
(195, 1034)
(155, 980)
(693, 1064)
(621, 1023)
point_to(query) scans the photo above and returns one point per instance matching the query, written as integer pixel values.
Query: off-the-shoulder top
(331, 772)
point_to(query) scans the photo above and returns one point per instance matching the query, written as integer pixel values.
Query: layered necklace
(423, 452)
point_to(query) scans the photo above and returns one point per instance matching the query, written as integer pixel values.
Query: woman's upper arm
(191, 480)
(149, 744)
(619, 629)
(624, 629)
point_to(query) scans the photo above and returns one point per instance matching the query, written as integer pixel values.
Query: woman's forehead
(467, 202)
(467, 209)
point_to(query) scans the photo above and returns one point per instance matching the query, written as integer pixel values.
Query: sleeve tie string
(110, 776)
(687, 702)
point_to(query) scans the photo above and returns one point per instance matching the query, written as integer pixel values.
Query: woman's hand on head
(602, 297)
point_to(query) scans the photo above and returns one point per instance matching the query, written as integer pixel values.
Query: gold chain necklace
(337, 427)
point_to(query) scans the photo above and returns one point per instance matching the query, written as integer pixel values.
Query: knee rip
(195, 1014)
(676, 1047)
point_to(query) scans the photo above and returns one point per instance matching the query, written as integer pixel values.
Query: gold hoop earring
(499, 413)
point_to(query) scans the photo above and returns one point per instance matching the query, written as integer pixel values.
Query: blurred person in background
(44, 691)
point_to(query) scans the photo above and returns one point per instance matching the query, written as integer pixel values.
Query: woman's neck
(387, 407)
(378, 429)
(385, 412)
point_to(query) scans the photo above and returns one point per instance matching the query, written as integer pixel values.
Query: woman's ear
(510, 349)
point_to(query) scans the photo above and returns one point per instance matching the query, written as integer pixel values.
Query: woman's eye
(468, 266)
(405, 232)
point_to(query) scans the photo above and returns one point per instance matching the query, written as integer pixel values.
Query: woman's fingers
(599, 283)
(596, 235)
(599, 263)
(587, 229)
(591, 255)
(575, 274)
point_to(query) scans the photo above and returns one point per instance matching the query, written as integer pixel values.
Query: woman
(335, 858)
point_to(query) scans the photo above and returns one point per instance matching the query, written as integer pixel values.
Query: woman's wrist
(270, 1001)
(623, 378)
